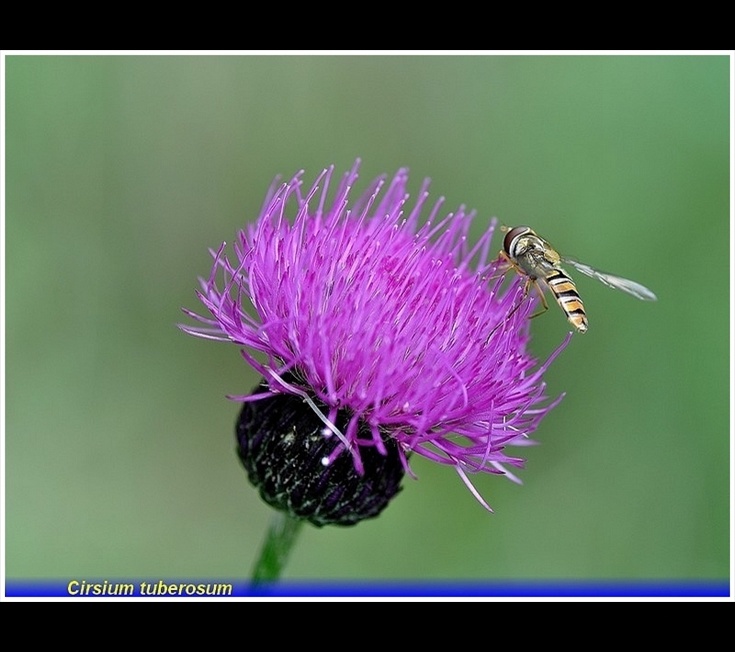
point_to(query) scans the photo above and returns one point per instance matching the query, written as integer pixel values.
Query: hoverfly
(533, 257)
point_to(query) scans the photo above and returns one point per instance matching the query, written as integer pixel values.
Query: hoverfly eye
(512, 234)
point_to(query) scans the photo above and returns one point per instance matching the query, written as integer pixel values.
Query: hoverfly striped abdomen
(566, 295)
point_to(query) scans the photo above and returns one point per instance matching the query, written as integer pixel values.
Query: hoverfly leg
(526, 291)
(544, 304)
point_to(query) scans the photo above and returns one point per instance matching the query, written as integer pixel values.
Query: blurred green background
(121, 171)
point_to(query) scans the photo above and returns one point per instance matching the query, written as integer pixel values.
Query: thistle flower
(379, 334)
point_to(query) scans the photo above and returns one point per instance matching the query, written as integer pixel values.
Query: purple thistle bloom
(394, 320)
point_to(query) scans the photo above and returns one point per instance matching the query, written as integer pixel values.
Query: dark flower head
(394, 330)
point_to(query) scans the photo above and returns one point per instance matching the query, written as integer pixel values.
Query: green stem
(279, 540)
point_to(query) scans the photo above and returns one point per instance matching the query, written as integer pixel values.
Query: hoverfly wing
(616, 282)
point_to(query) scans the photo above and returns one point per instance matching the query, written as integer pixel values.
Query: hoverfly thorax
(529, 253)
